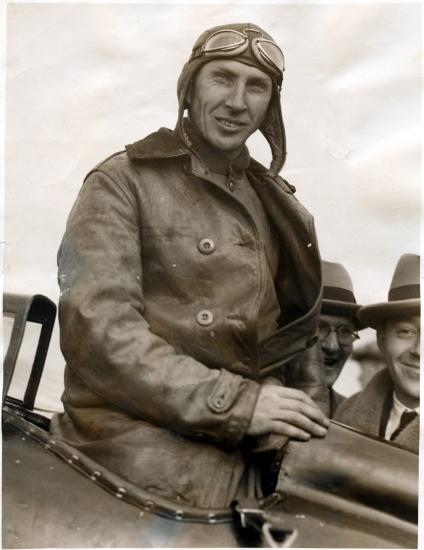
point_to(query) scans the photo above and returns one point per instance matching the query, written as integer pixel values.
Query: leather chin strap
(273, 130)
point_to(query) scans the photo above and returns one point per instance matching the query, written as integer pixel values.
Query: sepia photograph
(211, 274)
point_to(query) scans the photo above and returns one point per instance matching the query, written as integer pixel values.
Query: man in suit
(388, 406)
(338, 324)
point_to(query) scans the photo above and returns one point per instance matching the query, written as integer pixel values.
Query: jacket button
(204, 317)
(206, 246)
(219, 402)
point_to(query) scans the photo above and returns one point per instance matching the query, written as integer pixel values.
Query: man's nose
(415, 347)
(236, 100)
(331, 342)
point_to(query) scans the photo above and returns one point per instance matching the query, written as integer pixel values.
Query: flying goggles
(229, 42)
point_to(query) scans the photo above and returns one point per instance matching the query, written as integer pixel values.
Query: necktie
(406, 418)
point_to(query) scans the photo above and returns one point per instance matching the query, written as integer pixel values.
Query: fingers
(293, 432)
(300, 421)
(280, 398)
(306, 409)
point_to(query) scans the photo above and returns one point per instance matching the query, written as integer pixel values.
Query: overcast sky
(83, 80)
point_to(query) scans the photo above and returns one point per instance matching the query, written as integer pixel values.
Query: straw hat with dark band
(338, 297)
(404, 294)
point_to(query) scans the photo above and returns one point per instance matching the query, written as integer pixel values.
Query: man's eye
(344, 331)
(406, 332)
(258, 88)
(222, 79)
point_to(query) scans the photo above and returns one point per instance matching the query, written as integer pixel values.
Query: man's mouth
(329, 362)
(231, 124)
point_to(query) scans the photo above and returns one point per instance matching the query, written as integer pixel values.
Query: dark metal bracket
(35, 309)
(270, 525)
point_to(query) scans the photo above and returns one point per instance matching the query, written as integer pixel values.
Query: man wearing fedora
(338, 324)
(389, 405)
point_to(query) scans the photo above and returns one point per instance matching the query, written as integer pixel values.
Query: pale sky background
(84, 80)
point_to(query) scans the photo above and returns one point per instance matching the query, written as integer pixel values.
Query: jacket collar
(166, 143)
(161, 144)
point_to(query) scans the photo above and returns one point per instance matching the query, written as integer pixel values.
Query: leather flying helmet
(249, 44)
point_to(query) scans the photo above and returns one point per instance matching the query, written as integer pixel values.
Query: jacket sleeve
(106, 340)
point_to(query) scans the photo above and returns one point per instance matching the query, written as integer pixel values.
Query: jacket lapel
(299, 281)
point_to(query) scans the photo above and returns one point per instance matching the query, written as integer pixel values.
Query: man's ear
(380, 339)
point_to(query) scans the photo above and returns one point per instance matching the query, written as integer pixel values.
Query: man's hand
(287, 411)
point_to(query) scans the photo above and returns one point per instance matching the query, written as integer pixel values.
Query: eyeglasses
(345, 335)
(231, 42)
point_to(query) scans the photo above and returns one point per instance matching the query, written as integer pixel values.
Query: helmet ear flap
(273, 130)
(188, 93)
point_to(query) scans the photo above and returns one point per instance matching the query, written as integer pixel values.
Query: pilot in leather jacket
(186, 283)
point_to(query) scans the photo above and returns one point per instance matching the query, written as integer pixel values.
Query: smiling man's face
(336, 344)
(399, 341)
(228, 103)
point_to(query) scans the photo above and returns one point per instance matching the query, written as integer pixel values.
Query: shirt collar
(400, 407)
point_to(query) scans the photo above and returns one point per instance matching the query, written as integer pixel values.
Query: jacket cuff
(241, 413)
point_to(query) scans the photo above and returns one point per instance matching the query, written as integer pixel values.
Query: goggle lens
(224, 40)
(270, 52)
(232, 42)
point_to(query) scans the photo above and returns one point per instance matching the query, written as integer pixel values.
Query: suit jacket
(368, 411)
(336, 399)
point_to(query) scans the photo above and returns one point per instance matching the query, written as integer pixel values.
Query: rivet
(148, 505)
(70, 461)
(179, 514)
(211, 518)
(309, 245)
(95, 475)
(118, 495)
(74, 457)
(122, 490)
(23, 438)
(141, 514)
(52, 442)
(47, 446)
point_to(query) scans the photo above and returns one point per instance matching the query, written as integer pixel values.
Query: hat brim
(375, 315)
(336, 307)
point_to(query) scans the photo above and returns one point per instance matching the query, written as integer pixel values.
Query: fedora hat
(337, 296)
(404, 294)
